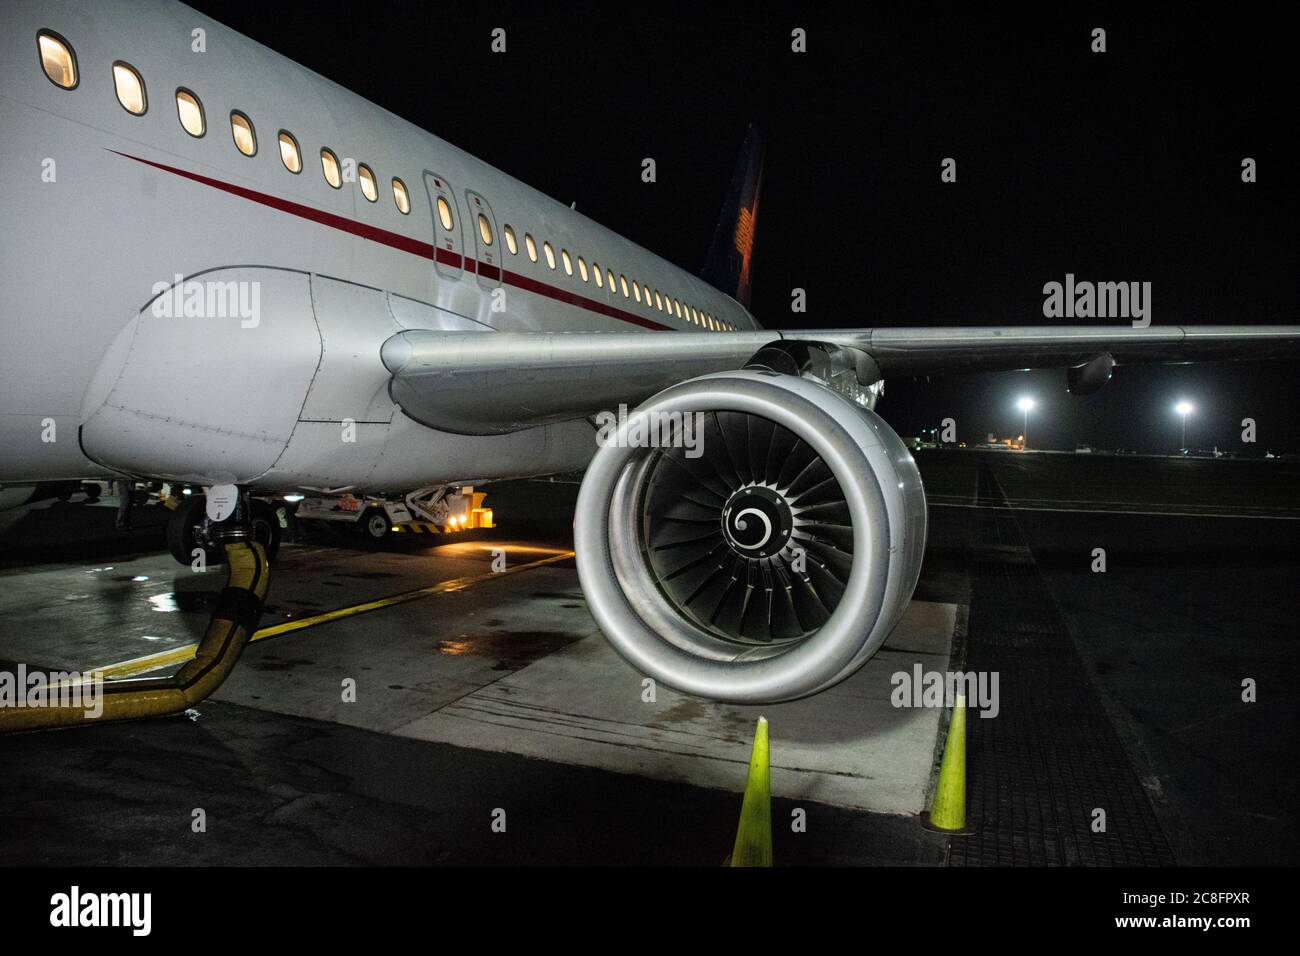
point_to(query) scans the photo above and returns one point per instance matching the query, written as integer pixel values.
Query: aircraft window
(659, 303)
(289, 154)
(444, 213)
(550, 254)
(190, 112)
(485, 229)
(241, 130)
(511, 244)
(623, 282)
(130, 88)
(600, 282)
(609, 274)
(57, 59)
(329, 164)
(636, 290)
(400, 196)
(695, 316)
(568, 263)
(677, 306)
(530, 246)
(582, 269)
(367, 180)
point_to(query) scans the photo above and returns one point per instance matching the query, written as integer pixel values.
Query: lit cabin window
(609, 274)
(289, 154)
(367, 180)
(623, 284)
(190, 112)
(484, 229)
(130, 88)
(57, 59)
(401, 197)
(530, 246)
(444, 213)
(677, 307)
(329, 164)
(568, 263)
(582, 269)
(600, 281)
(636, 290)
(511, 244)
(550, 254)
(241, 131)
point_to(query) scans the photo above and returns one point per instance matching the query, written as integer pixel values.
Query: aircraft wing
(491, 383)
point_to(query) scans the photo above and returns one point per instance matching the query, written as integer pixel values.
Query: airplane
(223, 270)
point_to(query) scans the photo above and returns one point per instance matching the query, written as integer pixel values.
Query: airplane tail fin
(728, 266)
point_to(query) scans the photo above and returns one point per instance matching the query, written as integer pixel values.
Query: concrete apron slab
(848, 746)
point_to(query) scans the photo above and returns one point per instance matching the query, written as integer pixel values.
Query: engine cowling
(768, 566)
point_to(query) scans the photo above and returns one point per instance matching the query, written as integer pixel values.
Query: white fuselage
(104, 209)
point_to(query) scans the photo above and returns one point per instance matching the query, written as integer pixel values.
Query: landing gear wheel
(266, 527)
(374, 525)
(183, 532)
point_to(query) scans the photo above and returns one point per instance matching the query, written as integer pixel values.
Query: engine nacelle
(766, 553)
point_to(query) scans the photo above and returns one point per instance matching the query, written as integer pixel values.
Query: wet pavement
(392, 736)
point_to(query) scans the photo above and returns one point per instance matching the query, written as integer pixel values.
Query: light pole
(1026, 405)
(1184, 408)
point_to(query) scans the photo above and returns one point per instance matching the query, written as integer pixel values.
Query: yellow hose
(233, 622)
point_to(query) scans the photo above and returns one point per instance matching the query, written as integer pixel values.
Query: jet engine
(749, 536)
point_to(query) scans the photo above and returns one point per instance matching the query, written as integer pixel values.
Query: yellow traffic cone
(948, 811)
(754, 835)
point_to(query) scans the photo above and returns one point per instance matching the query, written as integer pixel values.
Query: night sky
(1122, 166)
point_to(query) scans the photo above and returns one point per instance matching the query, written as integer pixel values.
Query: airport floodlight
(1184, 408)
(1026, 405)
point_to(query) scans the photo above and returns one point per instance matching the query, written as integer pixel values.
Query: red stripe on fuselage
(415, 247)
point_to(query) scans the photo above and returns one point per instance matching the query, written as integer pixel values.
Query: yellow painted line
(178, 655)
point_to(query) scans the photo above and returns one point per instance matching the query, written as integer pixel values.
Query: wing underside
(489, 383)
